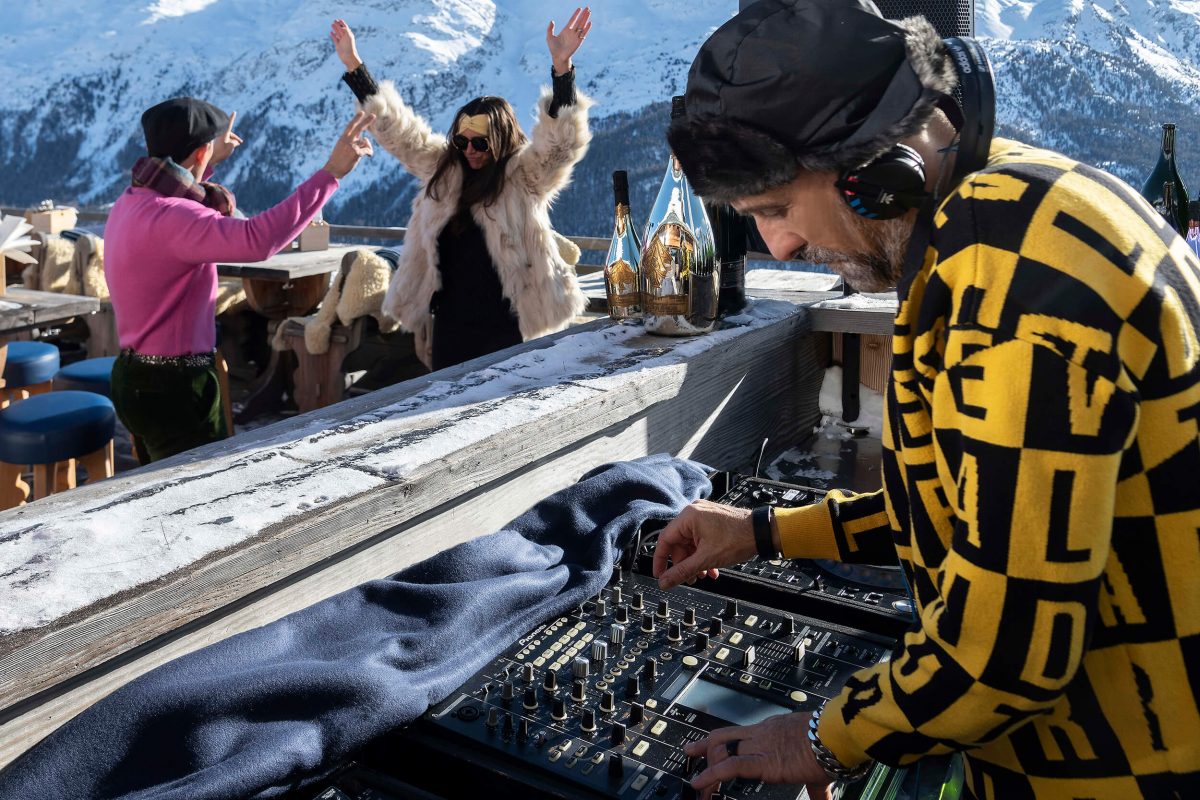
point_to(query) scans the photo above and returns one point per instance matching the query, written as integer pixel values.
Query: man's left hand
(775, 750)
(226, 143)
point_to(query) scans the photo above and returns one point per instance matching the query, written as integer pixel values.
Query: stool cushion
(30, 363)
(54, 427)
(89, 375)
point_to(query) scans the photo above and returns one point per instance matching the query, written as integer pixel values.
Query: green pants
(167, 409)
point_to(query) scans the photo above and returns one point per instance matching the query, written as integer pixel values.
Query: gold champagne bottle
(622, 267)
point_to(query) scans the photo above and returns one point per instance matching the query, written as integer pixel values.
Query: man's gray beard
(875, 270)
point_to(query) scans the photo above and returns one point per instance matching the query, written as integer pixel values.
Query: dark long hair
(504, 138)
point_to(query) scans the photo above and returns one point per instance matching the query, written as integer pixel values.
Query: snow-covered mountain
(1091, 79)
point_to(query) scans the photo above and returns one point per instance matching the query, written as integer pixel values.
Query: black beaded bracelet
(761, 518)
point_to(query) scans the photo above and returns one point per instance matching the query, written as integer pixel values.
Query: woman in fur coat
(481, 269)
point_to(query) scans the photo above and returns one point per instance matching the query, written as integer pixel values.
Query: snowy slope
(1093, 79)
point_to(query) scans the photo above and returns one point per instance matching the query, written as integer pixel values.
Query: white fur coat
(535, 278)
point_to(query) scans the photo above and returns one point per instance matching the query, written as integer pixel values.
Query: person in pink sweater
(163, 238)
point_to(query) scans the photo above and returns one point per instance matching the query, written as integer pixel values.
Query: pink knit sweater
(160, 257)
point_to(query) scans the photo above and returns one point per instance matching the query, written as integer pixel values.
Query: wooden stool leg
(100, 464)
(64, 476)
(43, 480)
(14, 491)
(226, 401)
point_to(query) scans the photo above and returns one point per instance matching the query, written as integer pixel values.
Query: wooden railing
(396, 234)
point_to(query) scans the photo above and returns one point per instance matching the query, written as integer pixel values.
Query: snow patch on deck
(92, 544)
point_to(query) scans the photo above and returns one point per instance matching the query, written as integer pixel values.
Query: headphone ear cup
(887, 187)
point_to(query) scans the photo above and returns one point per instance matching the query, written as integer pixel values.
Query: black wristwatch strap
(761, 519)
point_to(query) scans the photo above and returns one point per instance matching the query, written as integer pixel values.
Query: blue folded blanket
(271, 709)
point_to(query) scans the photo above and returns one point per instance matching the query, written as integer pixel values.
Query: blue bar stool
(89, 375)
(28, 370)
(54, 433)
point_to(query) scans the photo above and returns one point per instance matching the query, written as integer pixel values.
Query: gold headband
(478, 123)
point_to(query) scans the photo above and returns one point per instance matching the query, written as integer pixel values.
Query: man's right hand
(350, 147)
(703, 538)
(343, 43)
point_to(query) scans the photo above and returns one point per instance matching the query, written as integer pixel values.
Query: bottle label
(622, 283)
(666, 306)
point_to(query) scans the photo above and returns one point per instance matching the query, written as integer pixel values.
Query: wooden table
(22, 309)
(288, 284)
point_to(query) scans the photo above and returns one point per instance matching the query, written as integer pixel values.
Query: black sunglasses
(478, 142)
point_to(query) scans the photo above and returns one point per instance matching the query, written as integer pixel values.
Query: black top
(471, 315)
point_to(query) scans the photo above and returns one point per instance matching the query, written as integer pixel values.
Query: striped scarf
(164, 176)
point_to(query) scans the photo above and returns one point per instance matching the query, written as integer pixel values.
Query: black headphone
(892, 184)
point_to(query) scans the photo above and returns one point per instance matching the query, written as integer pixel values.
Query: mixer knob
(589, 720)
(748, 656)
(578, 691)
(618, 734)
(716, 626)
(607, 704)
(559, 711)
(637, 604)
(493, 720)
(616, 766)
(508, 725)
(579, 667)
(647, 623)
(621, 614)
(523, 729)
(674, 631)
(651, 669)
(764, 497)
(531, 701)
(527, 673)
(789, 626)
(664, 609)
(550, 682)
(731, 608)
(616, 633)
(601, 608)
(701, 640)
(689, 617)
(633, 686)
(798, 652)
(615, 595)
(617, 576)
(506, 693)
(599, 651)
(637, 713)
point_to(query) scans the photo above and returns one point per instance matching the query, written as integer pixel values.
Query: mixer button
(640, 749)
(658, 727)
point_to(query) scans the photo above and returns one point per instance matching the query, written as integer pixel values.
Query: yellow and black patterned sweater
(1042, 491)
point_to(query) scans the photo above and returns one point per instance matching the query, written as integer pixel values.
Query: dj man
(1041, 445)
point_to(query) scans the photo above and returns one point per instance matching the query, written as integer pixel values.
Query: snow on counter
(98, 543)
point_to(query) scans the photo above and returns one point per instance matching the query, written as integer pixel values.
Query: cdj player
(600, 702)
(867, 597)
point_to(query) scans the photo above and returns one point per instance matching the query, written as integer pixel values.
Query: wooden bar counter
(108, 581)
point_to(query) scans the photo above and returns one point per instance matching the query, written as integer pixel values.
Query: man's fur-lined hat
(818, 85)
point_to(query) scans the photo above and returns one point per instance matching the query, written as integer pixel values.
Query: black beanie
(178, 126)
(821, 85)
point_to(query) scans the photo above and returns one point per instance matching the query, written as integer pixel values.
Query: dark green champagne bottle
(729, 235)
(1172, 205)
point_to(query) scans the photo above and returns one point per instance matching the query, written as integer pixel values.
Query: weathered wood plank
(42, 308)
(874, 314)
(289, 265)
(708, 396)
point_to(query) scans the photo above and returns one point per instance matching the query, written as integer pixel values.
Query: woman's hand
(343, 42)
(564, 45)
(350, 147)
(226, 143)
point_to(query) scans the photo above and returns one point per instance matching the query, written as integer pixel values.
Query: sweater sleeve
(207, 236)
(853, 528)
(1015, 598)
(361, 82)
(563, 91)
